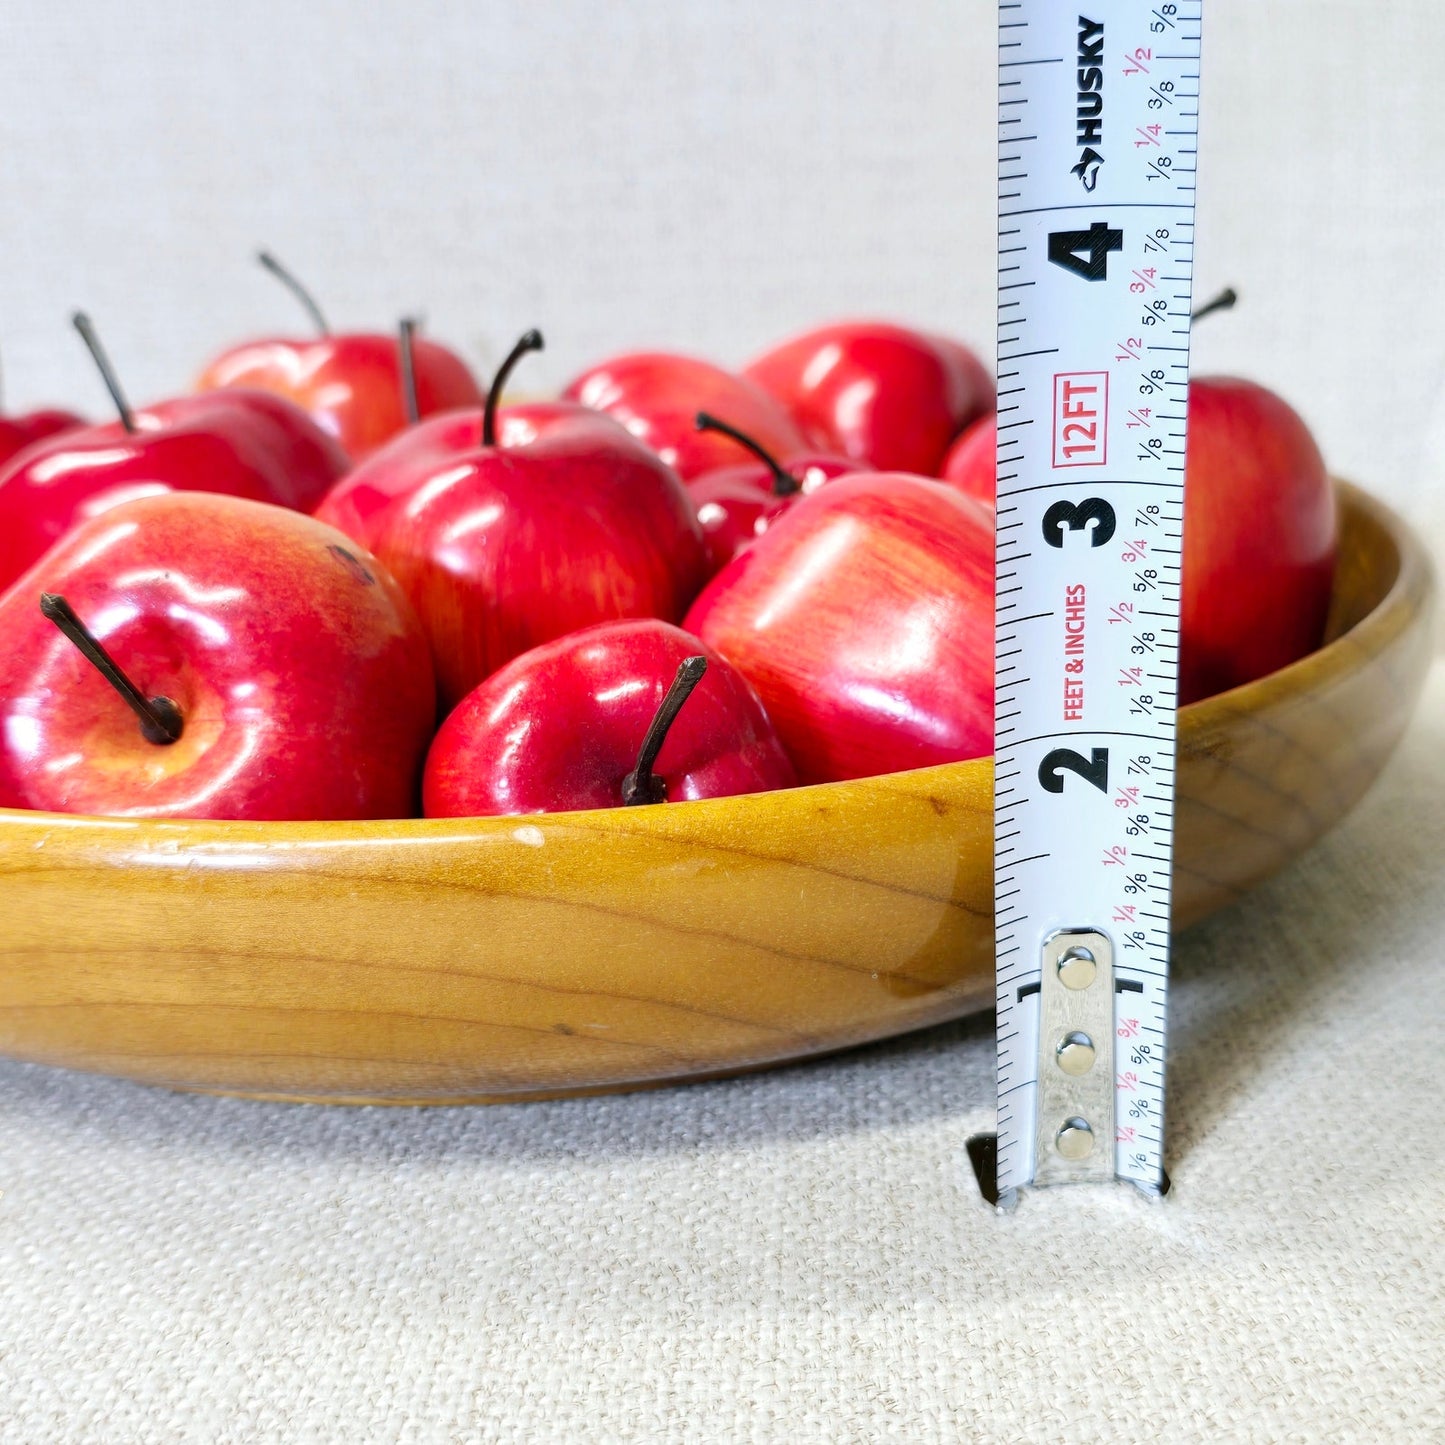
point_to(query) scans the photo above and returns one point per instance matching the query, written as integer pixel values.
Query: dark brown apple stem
(160, 719)
(1223, 302)
(531, 341)
(83, 324)
(408, 370)
(642, 785)
(290, 282)
(784, 484)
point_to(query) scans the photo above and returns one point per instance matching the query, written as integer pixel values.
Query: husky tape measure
(1098, 110)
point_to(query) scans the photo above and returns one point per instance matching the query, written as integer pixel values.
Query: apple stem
(1223, 302)
(642, 785)
(289, 281)
(160, 718)
(784, 484)
(408, 370)
(83, 324)
(531, 341)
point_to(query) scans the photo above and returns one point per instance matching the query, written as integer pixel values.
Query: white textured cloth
(796, 1256)
(700, 176)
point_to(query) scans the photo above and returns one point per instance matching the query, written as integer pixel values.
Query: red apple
(1259, 533)
(358, 503)
(970, 464)
(882, 394)
(352, 382)
(736, 505)
(864, 619)
(623, 712)
(506, 547)
(245, 443)
(287, 661)
(656, 395)
(976, 375)
(21, 431)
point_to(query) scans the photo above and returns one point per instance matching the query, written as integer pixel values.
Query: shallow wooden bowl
(511, 958)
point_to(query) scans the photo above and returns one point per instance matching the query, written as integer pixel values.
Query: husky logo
(1089, 130)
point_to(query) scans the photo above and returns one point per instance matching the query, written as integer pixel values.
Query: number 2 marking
(1061, 760)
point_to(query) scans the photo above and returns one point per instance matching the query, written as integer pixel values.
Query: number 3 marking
(1076, 518)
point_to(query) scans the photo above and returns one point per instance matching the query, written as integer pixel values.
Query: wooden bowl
(510, 958)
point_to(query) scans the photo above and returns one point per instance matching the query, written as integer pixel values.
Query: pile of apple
(258, 600)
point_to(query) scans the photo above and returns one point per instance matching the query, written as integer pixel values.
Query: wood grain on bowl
(505, 958)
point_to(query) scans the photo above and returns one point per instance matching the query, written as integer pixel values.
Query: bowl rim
(1414, 576)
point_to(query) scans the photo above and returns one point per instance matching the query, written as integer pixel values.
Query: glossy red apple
(971, 464)
(351, 383)
(619, 713)
(1259, 533)
(736, 505)
(506, 547)
(885, 395)
(22, 430)
(287, 661)
(976, 375)
(358, 503)
(864, 618)
(245, 443)
(657, 394)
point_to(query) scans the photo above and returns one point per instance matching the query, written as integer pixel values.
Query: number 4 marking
(1066, 248)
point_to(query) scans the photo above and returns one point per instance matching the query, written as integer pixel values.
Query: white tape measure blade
(1097, 123)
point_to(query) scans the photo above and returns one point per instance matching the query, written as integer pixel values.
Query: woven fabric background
(694, 175)
(799, 1256)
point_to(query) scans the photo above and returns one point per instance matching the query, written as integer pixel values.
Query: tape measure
(1098, 111)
